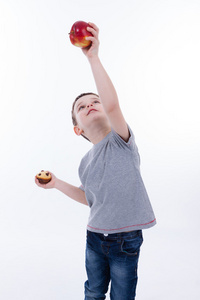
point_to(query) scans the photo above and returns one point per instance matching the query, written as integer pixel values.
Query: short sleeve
(129, 144)
(81, 188)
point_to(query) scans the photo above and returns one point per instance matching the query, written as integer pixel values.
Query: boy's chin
(96, 116)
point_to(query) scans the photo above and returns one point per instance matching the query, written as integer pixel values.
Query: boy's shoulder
(112, 138)
(120, 141)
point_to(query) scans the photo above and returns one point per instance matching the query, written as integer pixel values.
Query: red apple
(78, 34)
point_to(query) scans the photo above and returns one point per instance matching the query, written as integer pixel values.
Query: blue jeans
(112, 258)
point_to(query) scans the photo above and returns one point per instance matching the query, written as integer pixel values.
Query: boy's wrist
(94, 59)
(57, 183)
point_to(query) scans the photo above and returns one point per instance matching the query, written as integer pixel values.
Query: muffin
(43, 177)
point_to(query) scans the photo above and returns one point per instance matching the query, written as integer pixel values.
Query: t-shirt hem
(122, 229)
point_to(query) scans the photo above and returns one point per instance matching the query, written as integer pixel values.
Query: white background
(151, 52)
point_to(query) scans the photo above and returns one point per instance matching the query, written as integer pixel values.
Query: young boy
(111, 186)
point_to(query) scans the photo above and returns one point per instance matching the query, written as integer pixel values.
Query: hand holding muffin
(45, 179)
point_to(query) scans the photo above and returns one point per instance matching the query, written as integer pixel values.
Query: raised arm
(105, 87)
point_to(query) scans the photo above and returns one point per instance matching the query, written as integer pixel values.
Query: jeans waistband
(117, 236)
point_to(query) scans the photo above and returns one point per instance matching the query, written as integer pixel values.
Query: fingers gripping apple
(78, 33)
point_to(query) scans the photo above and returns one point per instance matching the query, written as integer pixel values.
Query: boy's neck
(97, 136)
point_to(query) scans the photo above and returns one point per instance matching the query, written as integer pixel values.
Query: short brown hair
(74, 121)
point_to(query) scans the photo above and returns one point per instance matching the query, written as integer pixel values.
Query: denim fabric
(114, 258)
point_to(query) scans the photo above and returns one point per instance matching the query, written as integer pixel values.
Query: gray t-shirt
(114, 189)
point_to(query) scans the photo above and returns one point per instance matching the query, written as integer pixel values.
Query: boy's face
(89, 112)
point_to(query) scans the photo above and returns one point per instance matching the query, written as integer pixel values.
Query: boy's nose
(89, 105)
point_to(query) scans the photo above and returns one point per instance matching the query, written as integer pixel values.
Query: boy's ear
(77, 130)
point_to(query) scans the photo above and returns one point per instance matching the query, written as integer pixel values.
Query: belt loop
(118, 237)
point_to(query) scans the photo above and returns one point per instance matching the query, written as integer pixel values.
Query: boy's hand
(93, 49)
(49, 185)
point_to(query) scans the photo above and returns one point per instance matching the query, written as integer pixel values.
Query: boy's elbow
(84, 200)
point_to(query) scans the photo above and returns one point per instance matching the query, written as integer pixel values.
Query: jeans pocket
(131, 246)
